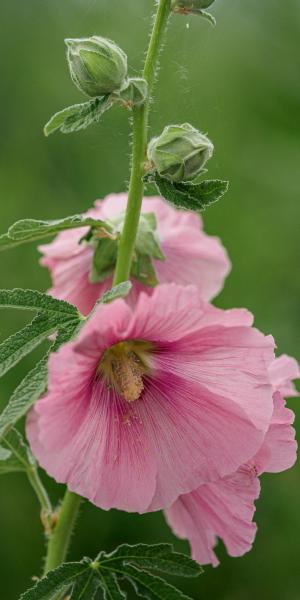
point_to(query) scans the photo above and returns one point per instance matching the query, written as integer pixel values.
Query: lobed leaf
(79, 116)
(191, 196)
(150, 586)
(60, 579)
(86, 586)
(110, 586)
(160, 557)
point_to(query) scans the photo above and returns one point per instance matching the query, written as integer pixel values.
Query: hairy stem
(139, 147)
(60, 538)
(41, 493)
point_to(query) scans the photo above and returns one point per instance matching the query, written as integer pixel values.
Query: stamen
(128, 376)
(123, 366)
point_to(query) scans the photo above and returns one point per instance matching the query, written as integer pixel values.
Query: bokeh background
(240, 83)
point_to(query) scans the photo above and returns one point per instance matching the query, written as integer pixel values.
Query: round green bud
(180, 152)
(98, 66)
(186, 6)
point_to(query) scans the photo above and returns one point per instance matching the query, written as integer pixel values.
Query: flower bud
(188, 6)
(180, 152)
(97, 65)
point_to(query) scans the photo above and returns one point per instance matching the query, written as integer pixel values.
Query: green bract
(97, 65)
(190, 5)
(105, 246)
(134, 92)
(180, 152)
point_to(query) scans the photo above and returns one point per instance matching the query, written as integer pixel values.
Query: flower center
(123, 366)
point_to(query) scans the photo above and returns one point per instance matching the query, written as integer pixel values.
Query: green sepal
(79, 116)
(190, 196)
(118, 291)
(205, 15)
(147, 241)
(134, 93)
(143, 270)
(104, 260)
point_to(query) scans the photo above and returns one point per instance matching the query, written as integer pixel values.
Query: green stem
(139, 147)
(40, 491)
(60, 538)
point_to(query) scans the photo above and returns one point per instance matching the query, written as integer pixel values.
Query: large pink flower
(151, 402)
(225, 508)
(191, 256)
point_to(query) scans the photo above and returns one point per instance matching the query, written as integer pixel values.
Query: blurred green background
(240, 83)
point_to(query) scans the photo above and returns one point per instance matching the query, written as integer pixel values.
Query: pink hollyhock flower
(152, 401)
(191, 256)
(225, 508)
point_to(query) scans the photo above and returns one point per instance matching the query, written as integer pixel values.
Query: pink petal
(223, 509)
(191, 255)
(197, 435)
(206, 405)
(282, 372)
(84, 435)
(279, 450)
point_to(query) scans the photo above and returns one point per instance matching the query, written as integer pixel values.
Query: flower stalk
(139, 148)
(60, 538)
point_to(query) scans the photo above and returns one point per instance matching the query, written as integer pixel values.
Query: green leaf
(6, 243)
(104, 259)
(32, 230)
(110, 586)
(78, 116)
(18, 345)
(86, 586)
(33, 300)
(118, 291)
(150, 586)
(160, 557)
(28, 391)
(66, 333)
(34, 383)
(4, 456)
(59, 579)
(19, 457)
(191, 196)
